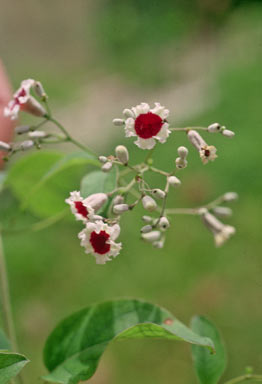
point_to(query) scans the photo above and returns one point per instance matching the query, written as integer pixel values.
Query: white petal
(160, 111)
(145, 143)
(130, 127)
(163, 133)
(141, 108)
(115, 231)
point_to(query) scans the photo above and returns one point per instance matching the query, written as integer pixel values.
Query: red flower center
(207, 152)
(81, 209)
(16, 100)
(99, 242)
(148, 125)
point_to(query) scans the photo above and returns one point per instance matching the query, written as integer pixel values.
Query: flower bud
(147, 219)
(222, 211)
(174, 181)
(37, 134)
(181, 163)
(120, 208)
(96, 200)
(230, 196)
(4, 146)
(27, 144)
(122, 154)
(151, 236)
(118, 122)
(118, 199)
(163, 223)
(228, 133)
(158, 193)
(159, 244)
(215, 127)
(39, 90)
(22, 129)
(107, 166)
(146, 229)
(149, 203)
(102, 159)
(34, 107)
(128, 113)
(182, 152)
(195, 139)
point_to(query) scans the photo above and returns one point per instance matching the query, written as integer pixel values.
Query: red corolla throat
(99, 242)
(148, 125)
(81, 209)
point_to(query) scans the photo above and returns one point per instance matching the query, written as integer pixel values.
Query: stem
(156, 170)
(148, 156)
(6, 304)
(188, 129)
(182, 211)
(248, 376)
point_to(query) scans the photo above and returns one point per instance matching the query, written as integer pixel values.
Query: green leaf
(209, 368)
(10, 365)
(4, 342)
(43, 180)
(73, 349)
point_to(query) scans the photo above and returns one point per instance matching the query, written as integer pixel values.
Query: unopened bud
(37, 134)
(222, 211)
(181, 163)
(118, 200)
(39, 90)
(159, 244)
(122, 154)
(195, 139)
(5, 146)
(102, 159)
(34, 107)
(120, 208)
(182, 152)
(96, 200)
(107, 166)
(118, 122)
(151, 236)
(230, 196)
(228, 133)
(158, 193)
(146, 229)
(215, 127)
(149, 203)
(163, 223)
(27, 144)
(128, 113)
(22, 129)
(174, 181)
(147, 219)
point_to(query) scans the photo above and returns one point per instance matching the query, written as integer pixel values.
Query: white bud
(215, 127)
(34, 107)
(222, 211)
(147, 219)
(27, 144)
(182, 152)
(159, 244)
(146, 229)
(97, 217)
(228, 133)
(163, 223)
(128, 113)
(118, 199)
(102, 159)
(22, 129)
(174, 181)
(158, 193)
(4, 146)
(230, 196)
(96, 200)
(118, 122)
(122, 154)
(195, 139)
(181, 163)
(107, 166)
(39, 90)
(37, 134)
(149, 204)
(151, 236)
(120, 208)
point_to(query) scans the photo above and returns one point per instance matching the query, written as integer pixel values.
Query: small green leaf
(209, 368)
(10, 365)
(4, 342)
(43, 180)
(73, 349)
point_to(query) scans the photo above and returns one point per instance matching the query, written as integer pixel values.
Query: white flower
(220, 231)
(99, 240)
(79, 207)
(147, 124)
(22, 100)
(208, 153)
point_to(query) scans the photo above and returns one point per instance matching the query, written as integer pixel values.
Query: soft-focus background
(202, 59)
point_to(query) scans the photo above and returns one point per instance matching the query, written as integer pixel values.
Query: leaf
(10, 365)
(4, 342)
(73, 349)
(209, 368)
(43, 180)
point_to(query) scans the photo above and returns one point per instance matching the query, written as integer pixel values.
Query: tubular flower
(208, 153)
(99, 240)
(22, 100)
(147, 124)
(80, 208)
(220, 231)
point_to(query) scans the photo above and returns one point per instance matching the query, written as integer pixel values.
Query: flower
(220, 231)
(99, 240)
(147, 124)
(208, 153)
(79, 207)
(22, 100)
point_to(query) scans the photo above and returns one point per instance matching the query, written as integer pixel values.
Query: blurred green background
(202, 59)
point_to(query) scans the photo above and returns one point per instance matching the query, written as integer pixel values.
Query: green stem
(248, 376)
(188, 129)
